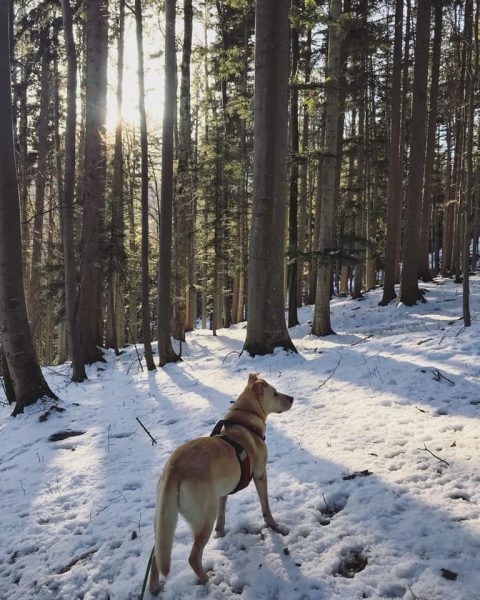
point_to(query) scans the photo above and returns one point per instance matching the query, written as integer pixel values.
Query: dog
(200, 474)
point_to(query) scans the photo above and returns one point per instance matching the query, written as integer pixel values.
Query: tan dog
(201, 473)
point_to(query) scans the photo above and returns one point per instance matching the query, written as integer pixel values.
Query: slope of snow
(374, 470)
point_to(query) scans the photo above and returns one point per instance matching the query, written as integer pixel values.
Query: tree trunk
(294, 176)
(67, 213)
(26, 376)
(409, 292)
(164, 305)
(321, 319)
(34, 301)
(424, 272)
(144, 197)
(266, 327)
(467, 200)
(304, 177)
(94, 177)
(184, 199)
(115, 329)
(394, 193)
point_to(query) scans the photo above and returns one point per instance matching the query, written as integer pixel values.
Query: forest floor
(375, 470)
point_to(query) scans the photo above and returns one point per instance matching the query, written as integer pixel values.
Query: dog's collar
(230, 422)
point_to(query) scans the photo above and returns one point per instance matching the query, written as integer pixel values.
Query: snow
(371, 512)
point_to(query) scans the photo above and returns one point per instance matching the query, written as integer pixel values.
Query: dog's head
(268, 398)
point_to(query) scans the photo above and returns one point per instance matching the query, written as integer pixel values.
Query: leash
(149, 564)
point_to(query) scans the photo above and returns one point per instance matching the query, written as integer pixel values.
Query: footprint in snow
(353, 561)
(331, 507)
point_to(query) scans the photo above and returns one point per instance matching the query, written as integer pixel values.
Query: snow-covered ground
(375, 470)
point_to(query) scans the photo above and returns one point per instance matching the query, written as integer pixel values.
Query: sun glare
(153, 81)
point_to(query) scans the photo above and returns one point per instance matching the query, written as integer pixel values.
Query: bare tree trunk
(115, 327)
(266, 327)
(304, 178)
(67, 213)
(164, 306)
(409, 292)
(448, 208)
(26, 376)
(144, 201)
(34, 301)
(94, 177)
(472, 75)
(394, 203)
(359, 203)
(294, 176)
(184, 199)
(424, 268)
(321, 319)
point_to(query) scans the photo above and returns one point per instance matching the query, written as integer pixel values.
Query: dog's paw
(219, 533)
(281, 529)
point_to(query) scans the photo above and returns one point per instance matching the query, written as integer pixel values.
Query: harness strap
(242, 456)
(244, 462)
(229, 423)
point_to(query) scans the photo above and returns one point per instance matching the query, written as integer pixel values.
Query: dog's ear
(252, 378)
(257, 388)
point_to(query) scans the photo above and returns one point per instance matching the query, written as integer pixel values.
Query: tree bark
(409, 292)
(424, 272)
(34, 299)
(321, 319)
(294, 177)
(67, 213)
(144, 196)
(26, 376)
(115, 330)
(266, 327)
(394, 193)
(164, 306)
(94, 177)
(185, 202)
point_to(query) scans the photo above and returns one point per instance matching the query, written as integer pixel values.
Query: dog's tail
(166, 515)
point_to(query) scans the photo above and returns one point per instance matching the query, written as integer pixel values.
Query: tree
(166, 352)
(67, 214)
(424, 267)
(294, 175)
(266, 327)
(394, 206)
(25, 373)
(321, 319)
(94, 178)
(409, 292)
(144, 170)
(115, 326)
(185, 197)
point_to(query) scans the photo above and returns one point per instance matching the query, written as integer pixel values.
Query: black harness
(242, 454)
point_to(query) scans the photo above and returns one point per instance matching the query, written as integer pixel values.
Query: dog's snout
(290, 399)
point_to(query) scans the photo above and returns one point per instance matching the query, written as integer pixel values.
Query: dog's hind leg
(201, 537)
(220, 524)
(155, 584)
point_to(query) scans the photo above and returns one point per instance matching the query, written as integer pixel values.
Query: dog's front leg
(262, 491)
(220, 524)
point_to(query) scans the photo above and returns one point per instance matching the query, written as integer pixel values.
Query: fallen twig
(362, 340)
(414, 597)
(425, 449)
(447, 330)
(332, 373)
(154, 441)
(437, 376)
(73, 562)
(232, 352)
(136, 350)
